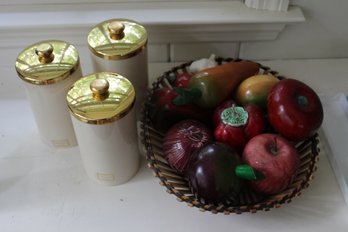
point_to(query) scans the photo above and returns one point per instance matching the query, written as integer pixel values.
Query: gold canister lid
(101, 98)
(117, 39)
(47, 62)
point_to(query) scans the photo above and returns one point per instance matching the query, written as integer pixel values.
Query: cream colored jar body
(120, 45)
(48, 69)
(109, 151)
(51, 113)
(103, 116)
(134, 68)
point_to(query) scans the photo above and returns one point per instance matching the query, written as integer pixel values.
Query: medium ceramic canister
(120, 45)
(48, 69)
(103, 116)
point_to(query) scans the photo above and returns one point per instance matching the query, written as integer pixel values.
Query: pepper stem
(186, 96)
(248, 173)
(234, 116)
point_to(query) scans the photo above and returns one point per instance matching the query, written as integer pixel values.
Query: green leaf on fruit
(186, 96)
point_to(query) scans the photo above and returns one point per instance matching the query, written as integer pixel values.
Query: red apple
(236, 125)
(276, 158)
(294, 109)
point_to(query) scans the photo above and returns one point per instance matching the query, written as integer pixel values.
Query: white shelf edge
(166, 22)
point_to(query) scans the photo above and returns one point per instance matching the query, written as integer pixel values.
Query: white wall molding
(275, 5)
(166, 21)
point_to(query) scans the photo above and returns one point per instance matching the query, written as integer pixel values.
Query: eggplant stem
(246, 172)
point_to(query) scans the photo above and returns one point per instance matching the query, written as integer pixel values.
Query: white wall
(323, 35)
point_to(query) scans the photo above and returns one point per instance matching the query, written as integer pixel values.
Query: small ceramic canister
(102, 112)
(48, 69)
(120, 45)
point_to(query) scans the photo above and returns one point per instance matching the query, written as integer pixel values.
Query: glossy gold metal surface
(116, 30)
(100, 89)
(101, 98)
(45, 53)
(117, 39)
(47, 62)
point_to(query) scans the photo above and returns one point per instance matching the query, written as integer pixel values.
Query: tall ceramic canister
(103, 116)
(48, 69)
(120, 45)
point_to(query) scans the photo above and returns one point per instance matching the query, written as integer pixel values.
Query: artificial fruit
(294, 109)
(276, 158)
(182, 140)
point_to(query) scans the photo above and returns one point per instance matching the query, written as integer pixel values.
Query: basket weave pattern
(177, 184)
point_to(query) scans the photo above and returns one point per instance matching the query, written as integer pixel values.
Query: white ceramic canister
(120, 45)
(103, 116)
(48, 69)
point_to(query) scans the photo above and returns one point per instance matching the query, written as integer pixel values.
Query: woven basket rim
(168, 176)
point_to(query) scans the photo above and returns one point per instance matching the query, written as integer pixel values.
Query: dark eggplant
(211, 174)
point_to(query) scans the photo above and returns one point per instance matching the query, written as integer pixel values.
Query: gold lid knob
(45, 53)
(100, 89)
(101, 98)
(116, 30)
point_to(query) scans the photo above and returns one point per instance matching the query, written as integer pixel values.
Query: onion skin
(182, 140)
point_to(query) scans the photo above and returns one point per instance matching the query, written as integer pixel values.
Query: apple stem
(273, 147)
(246, 172)
(302, 100)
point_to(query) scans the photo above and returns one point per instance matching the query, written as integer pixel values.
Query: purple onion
(182, 140)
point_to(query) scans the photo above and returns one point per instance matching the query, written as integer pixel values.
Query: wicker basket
(249, 201)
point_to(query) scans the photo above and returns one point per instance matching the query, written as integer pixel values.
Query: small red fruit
(237, 125)
(182, 79)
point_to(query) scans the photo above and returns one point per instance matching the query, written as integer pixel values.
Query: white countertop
(42, 189)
